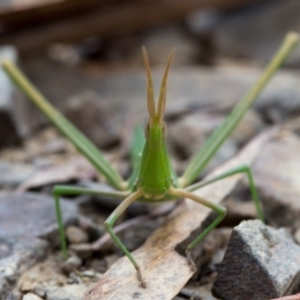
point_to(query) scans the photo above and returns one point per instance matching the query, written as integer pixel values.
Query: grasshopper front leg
(109, 223)
(68, 190)
(60, 190)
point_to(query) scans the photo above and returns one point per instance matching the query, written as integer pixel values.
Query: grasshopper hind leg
(244, 169)
(187, 193)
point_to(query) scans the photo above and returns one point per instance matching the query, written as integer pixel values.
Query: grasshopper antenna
(163, 90)
(150, 93)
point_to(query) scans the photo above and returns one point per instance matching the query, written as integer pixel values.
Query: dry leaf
(75, 168)
(164, 270)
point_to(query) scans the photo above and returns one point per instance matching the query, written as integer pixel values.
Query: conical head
(156, 115)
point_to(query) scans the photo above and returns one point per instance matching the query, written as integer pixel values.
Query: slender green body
(153, 178)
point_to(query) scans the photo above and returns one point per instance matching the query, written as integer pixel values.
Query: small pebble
(99, 275)
(13, 296)
(39, 290)
(31, 296)
(189, 294)
(88, 273)
(74, 279)
(82, 250)
(72, 263)
(73, 291)
(76, 235)
(99, 265)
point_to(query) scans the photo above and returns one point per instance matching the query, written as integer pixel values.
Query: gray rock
(260, 263)
(191, 291)
(74, 279)
(74, 292)
(89, 273)
(276, 174)
(84, 251)
(4, 287)
(31, 296)
(98, 265)
(13, 174)
(39, 290)
(31, 215)
(14, 296)
(18, 254)
(8, 131)
(23, 218)
(76, 235)
(72, 263)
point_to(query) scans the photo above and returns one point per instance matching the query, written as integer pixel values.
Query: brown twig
(132, 17)
(14, 15)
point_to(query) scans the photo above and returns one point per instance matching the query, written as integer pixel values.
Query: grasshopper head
(156, 116)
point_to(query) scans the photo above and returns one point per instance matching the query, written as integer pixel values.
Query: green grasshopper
(153, 179)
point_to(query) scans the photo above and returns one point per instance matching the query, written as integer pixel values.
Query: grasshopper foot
(140, 278)
(190, 260)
